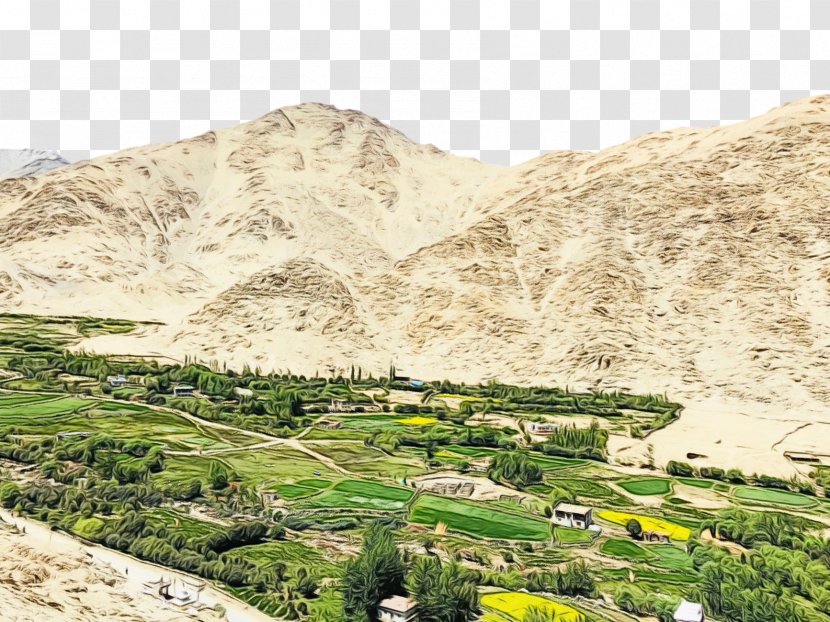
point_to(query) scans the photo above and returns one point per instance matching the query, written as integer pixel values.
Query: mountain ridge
(693, 261)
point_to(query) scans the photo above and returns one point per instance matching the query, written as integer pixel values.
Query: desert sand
(692, 262)
(47, 576)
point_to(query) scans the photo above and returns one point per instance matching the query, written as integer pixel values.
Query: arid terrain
(692, 262)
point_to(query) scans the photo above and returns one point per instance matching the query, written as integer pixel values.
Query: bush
(680, 469)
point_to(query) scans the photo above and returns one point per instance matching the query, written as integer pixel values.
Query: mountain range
(693, 261)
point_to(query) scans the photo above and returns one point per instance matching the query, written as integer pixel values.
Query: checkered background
(496, 79)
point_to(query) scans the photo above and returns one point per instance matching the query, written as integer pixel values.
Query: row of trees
(443, 592)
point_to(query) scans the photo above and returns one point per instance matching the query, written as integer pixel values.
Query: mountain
(693, 261)
(28, 162)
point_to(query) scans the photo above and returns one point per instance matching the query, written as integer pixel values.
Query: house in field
(117, 381)
(397, 609)
(183, 390)
(689, 612)
(572, 515)
(543, 429)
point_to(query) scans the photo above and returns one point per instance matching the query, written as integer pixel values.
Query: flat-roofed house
(117, 381)
(183, 390)
(689, 612)
(572, 515)
(397, 609)
(543, 429)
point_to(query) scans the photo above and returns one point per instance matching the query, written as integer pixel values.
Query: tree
(219, 476)
(377, 573)
(514, 467)
(443, 592)
(634, 528)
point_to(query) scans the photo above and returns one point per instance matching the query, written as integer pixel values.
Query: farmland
(269, 495)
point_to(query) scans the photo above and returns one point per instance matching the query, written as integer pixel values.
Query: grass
(697, 483)
(16, 399)
(647, 486)
(175, 522)
(626, 549)
(777, 497)
(515, 606)
(571, 535)
(122, 421)
(292, 554)
(14, 413)
(262, 469)
(477, 519)
(360, 494)
(648, 523)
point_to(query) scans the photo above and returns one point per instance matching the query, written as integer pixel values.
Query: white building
(117, 381)
(396, 609)
(183, 390)
(689, 612)
(571, 515)
(542, 429)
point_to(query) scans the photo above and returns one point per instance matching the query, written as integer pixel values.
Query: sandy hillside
(39, 585)
(693, 261)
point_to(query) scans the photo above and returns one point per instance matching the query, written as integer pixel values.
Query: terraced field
(647, 486)
(477, 519)
(361, 494)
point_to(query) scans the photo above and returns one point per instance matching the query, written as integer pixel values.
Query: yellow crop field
(417, 421)
(516, 604)
(648, 523)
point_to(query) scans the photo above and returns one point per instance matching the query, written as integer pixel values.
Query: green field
(360, 494)
(770, 495)
(570, 535)
(15, 399)
(697, 483)
(647, 486)
(18, 413)
(626, 549)
(477, 519)
(121, 421)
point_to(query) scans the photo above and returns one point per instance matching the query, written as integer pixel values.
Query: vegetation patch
(361, 494)
(647, 486)
(769, 495)
(477, 519)
(626, 549)
(515, 605)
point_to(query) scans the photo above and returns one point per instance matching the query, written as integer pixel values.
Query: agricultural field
(256, 486)
(514, 606)
(648, 523)
(650, 486)
(360, 494)
(478, 519)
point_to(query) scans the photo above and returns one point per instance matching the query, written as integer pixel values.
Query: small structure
(689, 612)
(159, 587)
(416, 383)
(183, 390)
(543, 429)
(571, 515)
(269, 496)
(396, 609)
(117, 381)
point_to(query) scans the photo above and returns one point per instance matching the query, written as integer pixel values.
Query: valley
(266, 486)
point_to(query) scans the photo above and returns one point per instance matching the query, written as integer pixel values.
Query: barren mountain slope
(690, 261)
(162, 229)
